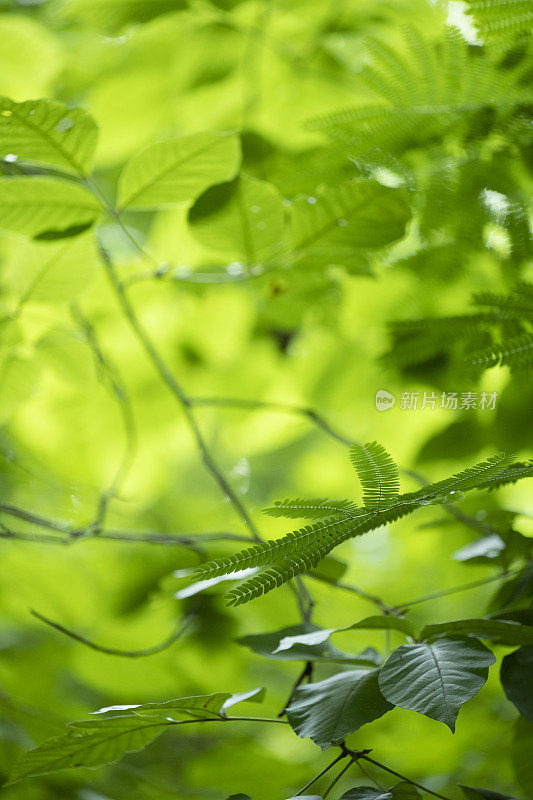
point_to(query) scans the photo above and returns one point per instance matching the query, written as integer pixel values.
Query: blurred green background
(312, 335)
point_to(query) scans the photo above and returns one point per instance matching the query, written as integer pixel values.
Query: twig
(347, 587)
(118, 390)
(283, 408)
(366, 757)
(337, 778)
(307, 672)
(175, 387)
(454, 590)
(320, 774)
(112, 651)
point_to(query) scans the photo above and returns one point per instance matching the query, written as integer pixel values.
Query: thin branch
(175, 387)
(320, 774)
(36, 519)
(73, 534)
(339, 776)
(117, 387)
(264, 405)
(306, 673)
(184, 402)
(112, 651)
(161, 538)
(454, 590)
(347, 587)
(403, 777)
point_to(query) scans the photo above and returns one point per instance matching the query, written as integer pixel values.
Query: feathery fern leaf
(501, 19)
(312, 509)
(425, 91)
(501, 335)
(378, 474)
(516, 353)
(301, 550)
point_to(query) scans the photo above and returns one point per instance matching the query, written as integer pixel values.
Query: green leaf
(475, 793)
(267, 645)
(328, 227)
(517, 680)
(176, 171)
(47, 132)
(378, 474)
(200, 706)
(435, 678)
(329, 710)
(322, 634)
(243, 219)
(312, 508)
(89, 744)
(401, 791)
(239, 797)
(34, 205)
(366, 793)
(501, 631)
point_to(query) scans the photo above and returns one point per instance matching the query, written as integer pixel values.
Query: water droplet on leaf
(64, 124)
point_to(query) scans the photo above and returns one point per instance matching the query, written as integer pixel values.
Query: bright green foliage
(176, 171)
(301, 550)
(90, 744)
(49, 133)
(216, 217)
(378, 474)
(46, 206)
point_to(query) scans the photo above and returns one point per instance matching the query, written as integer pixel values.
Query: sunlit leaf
(89, 744)
(47, 132)
(35, 205)
(176, 171)
(243, 220)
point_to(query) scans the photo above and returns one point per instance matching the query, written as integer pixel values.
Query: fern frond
(301, 550)
(477, 477)
(312, 509)
(378, 473)
(502, 19)
(278, 549)
(425, 90)
(516, 353)
(518, 303)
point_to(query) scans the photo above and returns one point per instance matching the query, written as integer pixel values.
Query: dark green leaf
(267, 644)
(329, 710)
(517, 680)
(435, 678)
(475, 793)
(501, 631)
